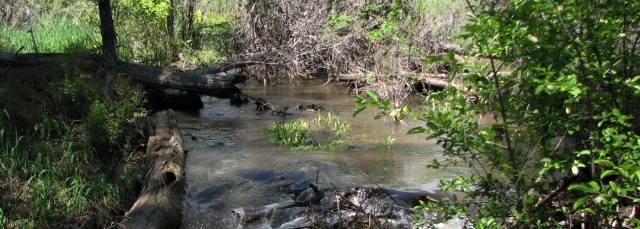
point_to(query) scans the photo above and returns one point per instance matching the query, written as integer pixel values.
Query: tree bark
(159, 203)
(108, 32)
(189, 33)
(212, 81)
(171, 31)
(198, 81)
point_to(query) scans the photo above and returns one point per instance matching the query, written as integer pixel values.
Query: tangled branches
(383, 40)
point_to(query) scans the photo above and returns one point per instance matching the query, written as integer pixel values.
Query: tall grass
(52, 36)
(47, 180)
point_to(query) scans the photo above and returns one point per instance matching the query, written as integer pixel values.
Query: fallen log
(159, 203)
(434, 79)
(213, 81)
(439, 80)
(194, 81)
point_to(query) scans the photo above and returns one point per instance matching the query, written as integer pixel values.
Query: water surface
(231, 167)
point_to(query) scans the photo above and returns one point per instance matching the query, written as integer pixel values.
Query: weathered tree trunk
(171, 38)
(108, 32)
(196, 81)
(212, 81)
(188, 34)
(159, 203)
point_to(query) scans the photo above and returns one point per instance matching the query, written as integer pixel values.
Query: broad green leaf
(539, 89)
(433, 126)
(579, 202)
(372, 95)
(608, 173)
(604, 162)
(417, 130)
(379, 115)
(359, 109)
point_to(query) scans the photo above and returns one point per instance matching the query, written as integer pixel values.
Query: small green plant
(332, 124)
(97, 124)
(292, 134)
(338, 21)
(386, 142)
(327, 133)
(106, 122)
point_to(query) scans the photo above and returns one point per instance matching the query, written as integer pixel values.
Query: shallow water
(231, 167)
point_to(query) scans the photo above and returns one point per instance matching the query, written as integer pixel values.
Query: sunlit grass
(325, 132)
(54, 36)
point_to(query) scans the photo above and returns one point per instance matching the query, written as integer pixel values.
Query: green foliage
(565, 137)
(338, 20)
(50, 180)
(387, 143)
(75, 95)
(330, 123)
(97, 124)
(106, 122)
(292, 134)
(53, 29)
(388, 109)
(327, 133)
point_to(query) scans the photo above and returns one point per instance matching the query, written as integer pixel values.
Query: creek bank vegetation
(563, 151)
(69, 151)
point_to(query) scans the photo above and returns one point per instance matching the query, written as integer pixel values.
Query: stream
(231, 167)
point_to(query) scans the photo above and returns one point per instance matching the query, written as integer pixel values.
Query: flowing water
(231, 167)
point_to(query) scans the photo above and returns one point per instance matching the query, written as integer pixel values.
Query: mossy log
(159, 203)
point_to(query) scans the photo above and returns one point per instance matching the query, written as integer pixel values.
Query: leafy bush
(97, 125)
(564, 146)
(106, 122)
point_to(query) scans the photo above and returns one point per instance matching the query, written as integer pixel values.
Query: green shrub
(564, 146)
(106, 122)
(97, 124)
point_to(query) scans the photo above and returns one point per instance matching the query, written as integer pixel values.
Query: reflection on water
(230, 165)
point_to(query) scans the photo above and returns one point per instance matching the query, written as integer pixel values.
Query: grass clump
(49, 179)
(386, 142)
(325, 132)
(292, 134)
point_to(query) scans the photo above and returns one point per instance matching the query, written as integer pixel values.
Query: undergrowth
(72, 166)
(49, 179)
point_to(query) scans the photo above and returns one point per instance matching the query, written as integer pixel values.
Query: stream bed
(232, 168)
